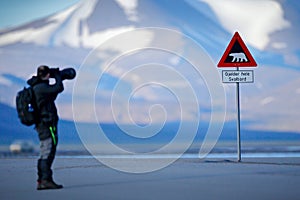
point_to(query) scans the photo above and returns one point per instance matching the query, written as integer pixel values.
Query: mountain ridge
(90, 23)
(12, 129)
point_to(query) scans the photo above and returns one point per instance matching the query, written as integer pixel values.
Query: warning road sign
(237, 54)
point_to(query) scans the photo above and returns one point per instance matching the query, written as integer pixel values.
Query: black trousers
(47, 152)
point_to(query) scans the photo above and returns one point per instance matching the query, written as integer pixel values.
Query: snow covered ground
(86, 178)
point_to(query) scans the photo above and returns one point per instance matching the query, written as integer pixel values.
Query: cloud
(267, 100)
(292, 59)
(256, 20)
(5, 81)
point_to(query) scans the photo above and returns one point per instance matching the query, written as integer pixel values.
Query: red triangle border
(237, 37)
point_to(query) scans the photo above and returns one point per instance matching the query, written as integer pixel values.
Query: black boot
(45, 185)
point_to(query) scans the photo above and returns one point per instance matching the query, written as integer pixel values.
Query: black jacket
(45, 95)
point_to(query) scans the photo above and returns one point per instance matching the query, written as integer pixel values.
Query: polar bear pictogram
(238, 57)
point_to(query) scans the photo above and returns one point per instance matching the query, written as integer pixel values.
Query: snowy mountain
(65, 39)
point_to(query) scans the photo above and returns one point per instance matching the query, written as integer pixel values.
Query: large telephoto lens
(68, 73)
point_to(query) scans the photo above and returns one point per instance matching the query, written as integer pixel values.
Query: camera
(66, 74)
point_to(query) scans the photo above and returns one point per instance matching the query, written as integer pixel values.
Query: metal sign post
(237, 55)
(238, 127)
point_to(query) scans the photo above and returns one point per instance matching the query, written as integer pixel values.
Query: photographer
(46, 126)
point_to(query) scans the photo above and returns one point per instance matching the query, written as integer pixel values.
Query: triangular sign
(237, 54)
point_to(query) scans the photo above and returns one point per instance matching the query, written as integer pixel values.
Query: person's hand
(53, 72)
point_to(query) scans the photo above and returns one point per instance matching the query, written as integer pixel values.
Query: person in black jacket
(45, 95)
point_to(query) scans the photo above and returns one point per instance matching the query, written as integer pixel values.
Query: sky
(18, 12)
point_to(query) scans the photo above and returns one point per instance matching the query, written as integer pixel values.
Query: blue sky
(17, 12)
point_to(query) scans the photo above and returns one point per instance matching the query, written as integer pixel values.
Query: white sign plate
(234, 76)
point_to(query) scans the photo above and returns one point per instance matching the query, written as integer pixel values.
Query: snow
(39, 36)
(255, 19)
(12, 37)
(64, 14)
(69, 32)
(222, 178)
(96, 39)
(65, 29)
(129, 7)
